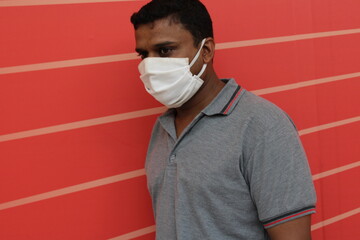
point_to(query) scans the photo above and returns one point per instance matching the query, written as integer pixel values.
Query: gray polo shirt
(236, 170)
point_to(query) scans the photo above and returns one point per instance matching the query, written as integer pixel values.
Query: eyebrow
(158, 45)
(163, 44)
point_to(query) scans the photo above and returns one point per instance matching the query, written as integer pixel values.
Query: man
(222, 163)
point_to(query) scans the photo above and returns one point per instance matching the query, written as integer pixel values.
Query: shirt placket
(172, 157)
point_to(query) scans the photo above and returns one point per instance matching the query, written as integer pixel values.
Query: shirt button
(172, 158)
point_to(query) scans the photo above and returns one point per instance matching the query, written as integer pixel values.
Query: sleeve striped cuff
(288, 216)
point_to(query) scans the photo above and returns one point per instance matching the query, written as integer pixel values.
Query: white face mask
(169, 80)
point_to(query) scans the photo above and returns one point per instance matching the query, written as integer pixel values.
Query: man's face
(165, 38)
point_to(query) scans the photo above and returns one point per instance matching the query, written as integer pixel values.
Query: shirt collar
(222, 104)
(225, 101)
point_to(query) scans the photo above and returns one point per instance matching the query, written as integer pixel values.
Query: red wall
(75, 119)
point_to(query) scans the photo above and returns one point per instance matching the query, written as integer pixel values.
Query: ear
(208, 50)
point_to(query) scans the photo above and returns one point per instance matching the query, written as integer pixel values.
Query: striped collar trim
(226, 100)
(229, 106)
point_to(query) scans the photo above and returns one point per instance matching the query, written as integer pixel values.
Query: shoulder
(262, 124)
(262, 115)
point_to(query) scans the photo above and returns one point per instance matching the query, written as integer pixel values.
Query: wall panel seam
(133, 56)
(314, 227)
(159, 110)
(24, 3)
(123, 177)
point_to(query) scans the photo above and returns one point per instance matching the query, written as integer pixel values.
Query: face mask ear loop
(202, 70)
(198, 53)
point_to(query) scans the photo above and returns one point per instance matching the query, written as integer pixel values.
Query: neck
(208, 91)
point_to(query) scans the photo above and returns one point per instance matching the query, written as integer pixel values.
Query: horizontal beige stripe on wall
(18, 3)
(82, 124)
(126, 176)
(335, 171)
(151, 229)
(73, 189)
(133, 56)
(159, 110)
(335, 219)
(329, 125)
(135, 234)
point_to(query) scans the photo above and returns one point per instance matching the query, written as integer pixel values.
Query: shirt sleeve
(278, 174)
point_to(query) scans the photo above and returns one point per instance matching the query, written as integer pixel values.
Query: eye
(165, 51)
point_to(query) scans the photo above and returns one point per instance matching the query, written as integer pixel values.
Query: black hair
(192, 14)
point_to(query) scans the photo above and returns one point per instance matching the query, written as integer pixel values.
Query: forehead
(162, 30)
